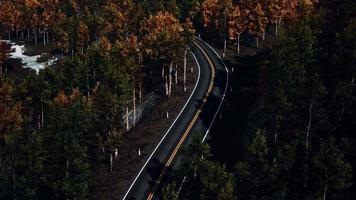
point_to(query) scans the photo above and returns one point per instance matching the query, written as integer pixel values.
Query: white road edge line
(223, 97)
(164, 136)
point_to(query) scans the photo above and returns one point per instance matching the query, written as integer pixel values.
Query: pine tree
(67, 168)
(333, 173)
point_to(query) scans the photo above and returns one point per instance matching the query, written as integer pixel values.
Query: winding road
(197, 115)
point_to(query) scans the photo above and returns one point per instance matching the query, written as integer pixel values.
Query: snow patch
(28, 61)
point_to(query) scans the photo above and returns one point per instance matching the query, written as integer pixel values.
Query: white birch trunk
(166, 85)
(176, 74)
(325, 190)
(140, 91)
(162, 73)
(134, 103)
(170, 79)
(127, 118)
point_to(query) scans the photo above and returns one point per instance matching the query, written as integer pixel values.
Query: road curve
(198, 114)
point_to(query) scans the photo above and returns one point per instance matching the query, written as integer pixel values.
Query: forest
(59, 126)
(297, 139)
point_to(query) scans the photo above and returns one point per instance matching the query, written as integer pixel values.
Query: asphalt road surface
(197, 115)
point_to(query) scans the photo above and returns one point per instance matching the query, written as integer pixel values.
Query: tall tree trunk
(67, 167)
(325, 184)
(284, 190)
(185, 70)
(276, 28)
(127, 117)
(176, 74)
(166, 85)
(35, 36)
(88, 87)
(307, 136)
(325, 190)
(39, 121)
(44, 37)
(0, 70)
(140, 91)
(163, 73)
(238, 44)
(170, 79)
(225, 36)
(13, 182)
(28, 32)
(257, 42)
(225, 44)
(42, 115)
(134, 101)
(111, 162)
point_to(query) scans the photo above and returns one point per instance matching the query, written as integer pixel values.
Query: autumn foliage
(162, 36)
(252, 16)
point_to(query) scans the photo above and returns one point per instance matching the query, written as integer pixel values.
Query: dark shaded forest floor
(145, 136)
(243, 108)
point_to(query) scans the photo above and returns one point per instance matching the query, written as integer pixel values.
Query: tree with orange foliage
(236, 25)
(83, 38)
(116, 19)
(48, 18)
(275, 13)
(256, 20)
(163, 42)
(29, 10)
(293, 9)
(187, 34)
(63, 42)
(10, 16)
(131, 58)
(104, 46)
(216, 12)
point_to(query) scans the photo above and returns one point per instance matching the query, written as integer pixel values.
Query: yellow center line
(176, 149)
